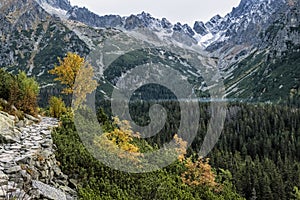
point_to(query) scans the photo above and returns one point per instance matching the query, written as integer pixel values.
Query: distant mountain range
(257, 45)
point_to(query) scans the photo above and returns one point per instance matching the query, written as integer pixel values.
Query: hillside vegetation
(19, 93)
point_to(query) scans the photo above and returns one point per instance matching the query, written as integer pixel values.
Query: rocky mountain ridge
(257, 31)
(265, 68)
(250, 17)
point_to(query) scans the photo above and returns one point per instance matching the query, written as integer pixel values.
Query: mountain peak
(60, 4)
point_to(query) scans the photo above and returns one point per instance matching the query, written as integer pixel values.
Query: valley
(233, 82)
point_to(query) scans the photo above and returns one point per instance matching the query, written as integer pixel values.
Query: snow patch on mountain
(53, 10)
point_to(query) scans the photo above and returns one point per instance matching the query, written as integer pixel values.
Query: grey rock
(68, 190)
(48, 191)
(10, 117)
(46, 153)
(24, 159)
(20, 123)
(3, 183)
(60, 4)
(31, 118)
(13, 169)
(6, 159)
(200, 28)
(3, 176)
(7, 131)
(28, 122)
(15, 147)
(3, 193)
(29, 165)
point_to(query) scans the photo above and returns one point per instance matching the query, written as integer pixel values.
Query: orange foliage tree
(199, 173)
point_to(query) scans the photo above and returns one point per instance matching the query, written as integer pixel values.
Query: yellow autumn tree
(84, 84)
(67, 70)
(199, 173)
(123, 136)
(119, 141)
(77, 75)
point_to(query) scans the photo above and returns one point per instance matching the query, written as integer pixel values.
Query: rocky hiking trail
(28, 168)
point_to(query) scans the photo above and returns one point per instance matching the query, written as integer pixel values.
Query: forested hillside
(257, 154)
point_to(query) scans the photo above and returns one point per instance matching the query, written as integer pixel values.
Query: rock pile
(28, 168)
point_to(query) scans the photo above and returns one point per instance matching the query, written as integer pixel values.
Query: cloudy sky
(184, 11)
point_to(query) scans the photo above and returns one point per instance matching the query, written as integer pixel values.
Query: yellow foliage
(181, 150)
(199, 173)
(120, 141)
(123, 136)
(67, 70)
(77, 75)
(84, 84)
(57, 107)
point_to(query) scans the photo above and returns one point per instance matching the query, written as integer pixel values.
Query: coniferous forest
(256, 157)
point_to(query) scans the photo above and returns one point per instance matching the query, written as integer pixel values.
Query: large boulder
(8, 132)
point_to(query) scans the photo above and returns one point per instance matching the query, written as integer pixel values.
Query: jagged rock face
(268, 69)
(61, 4)
(166, 24)
(28, 33)
(85, 16)
(200, 28)
(283, 30)
(213, 24)
(244, 24)
(133, 22)
(20, 15)
(143, 20)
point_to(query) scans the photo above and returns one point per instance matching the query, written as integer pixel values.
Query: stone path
(32, 139)
(28, 168)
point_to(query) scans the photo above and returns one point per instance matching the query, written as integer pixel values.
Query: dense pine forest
(259, 145)
(257, 156)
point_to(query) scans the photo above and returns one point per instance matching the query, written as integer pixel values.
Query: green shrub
(28, 93)
(57, 107)
(19, 91)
